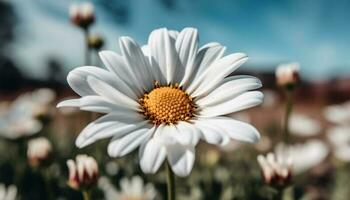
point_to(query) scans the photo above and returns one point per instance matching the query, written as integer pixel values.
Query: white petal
(94, 104)
(108, 126)
(77, 80)
(115, 63)
(111, 93)
(212, 134)
(187, 134)
(122, 146)
(206, 56)
(241, 102)
(164, 53)
(181, 159)
(230, 88)
(235, 129)
(173, 34)
(135, 59)
(215, 73)
(187, 47)
(152, 155)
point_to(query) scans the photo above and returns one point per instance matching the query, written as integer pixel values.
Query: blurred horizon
(313, 33)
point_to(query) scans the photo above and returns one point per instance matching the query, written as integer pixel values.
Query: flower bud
(287, 75)
(275, 171)
(95, 42)
(82, 15)
(83, 172)
(39, 152)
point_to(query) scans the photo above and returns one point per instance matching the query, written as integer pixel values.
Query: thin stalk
(86, 194)
(170, 182)
(87, 48)
(47, 179)
(279, 194)
(288, 111)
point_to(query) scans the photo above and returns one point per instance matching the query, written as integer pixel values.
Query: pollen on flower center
(167, 105)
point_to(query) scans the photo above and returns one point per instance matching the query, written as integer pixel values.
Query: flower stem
(47, 180)
(170, 182)
(87, 48)
(86, 194)
(288, 111)
(279, 194)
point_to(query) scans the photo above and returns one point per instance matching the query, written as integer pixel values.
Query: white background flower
(338, 114)
(130, 189)
(304, 156)
(8, 193)
(340, 139)
(302, 125)
(165, 97)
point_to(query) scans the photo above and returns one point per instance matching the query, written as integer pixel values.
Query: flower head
(83, 172)
(9, 193)
(130, 189)
(276, 170)
(338, 114)
(304, 126)
(39, 151)
(287, 75)
(95, 42)
(82, 14)
(304, 156)
(165, 97)
(339, 138)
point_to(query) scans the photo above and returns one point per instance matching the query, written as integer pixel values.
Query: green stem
(170, 182)
(288, 111)
(87, 48)
(279, 194)
(86, 194)
(47, 179)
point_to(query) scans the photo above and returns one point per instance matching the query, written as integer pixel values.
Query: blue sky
(315, 33)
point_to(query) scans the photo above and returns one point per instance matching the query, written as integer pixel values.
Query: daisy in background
(304, 126)
(338, 114)
(21, 118)
(164, 98)
(339, 138)
(130, 189)
(338, 135)
(304, 156)
(8, 193)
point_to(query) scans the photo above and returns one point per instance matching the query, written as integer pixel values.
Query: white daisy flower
(339, 137)
(17, 122)
(9, 193)
(305, 126)
(165, 97)
(338, 114)
(133, 189)
(304, 156)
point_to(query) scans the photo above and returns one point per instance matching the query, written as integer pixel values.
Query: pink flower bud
(39, 152)
(82, 15)
(83, 172)
(287, 74)
(275, 171)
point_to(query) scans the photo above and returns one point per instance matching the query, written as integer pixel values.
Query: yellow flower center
(167, 105)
